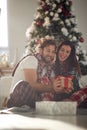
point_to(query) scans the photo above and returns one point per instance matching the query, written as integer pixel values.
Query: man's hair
(48, 42)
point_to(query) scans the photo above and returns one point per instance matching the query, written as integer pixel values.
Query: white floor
(32, 121)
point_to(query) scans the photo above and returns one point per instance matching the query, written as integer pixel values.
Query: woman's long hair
(71, 62)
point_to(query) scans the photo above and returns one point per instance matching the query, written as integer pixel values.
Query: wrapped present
(56, 108)
(65, 81)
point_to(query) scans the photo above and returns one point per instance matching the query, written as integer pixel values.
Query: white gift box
(56, 108)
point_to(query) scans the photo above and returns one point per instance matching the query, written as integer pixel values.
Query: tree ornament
(46, 7)
(81, 39)
(70, 2)
(39, 23)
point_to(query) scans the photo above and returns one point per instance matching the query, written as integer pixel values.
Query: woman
(66, 65)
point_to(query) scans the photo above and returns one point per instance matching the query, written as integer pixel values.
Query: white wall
(21, 14)
(80, 7)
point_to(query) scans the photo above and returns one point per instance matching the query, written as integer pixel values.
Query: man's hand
(57, 86)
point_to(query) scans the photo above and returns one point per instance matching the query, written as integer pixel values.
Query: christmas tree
(54, 19)
(82, 59)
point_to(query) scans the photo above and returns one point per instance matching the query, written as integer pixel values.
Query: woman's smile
(64, 52)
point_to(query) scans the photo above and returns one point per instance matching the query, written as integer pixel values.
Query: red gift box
(65, 81)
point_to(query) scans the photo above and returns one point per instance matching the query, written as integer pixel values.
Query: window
(3, 26)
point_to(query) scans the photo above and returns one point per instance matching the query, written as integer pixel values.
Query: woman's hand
(60, 88)
(70, 87)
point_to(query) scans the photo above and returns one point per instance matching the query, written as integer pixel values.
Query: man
(33, 77)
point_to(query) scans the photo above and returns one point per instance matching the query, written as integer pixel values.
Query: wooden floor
(33, 121)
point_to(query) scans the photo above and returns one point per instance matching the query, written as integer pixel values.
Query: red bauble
(38, 41)
(66, 12)
(39, 23)
(81, 39)
(46, 7)
(70, 2)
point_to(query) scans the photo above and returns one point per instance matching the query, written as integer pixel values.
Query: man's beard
(47, 62)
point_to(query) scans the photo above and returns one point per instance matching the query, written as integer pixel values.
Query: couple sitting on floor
(37, 77)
